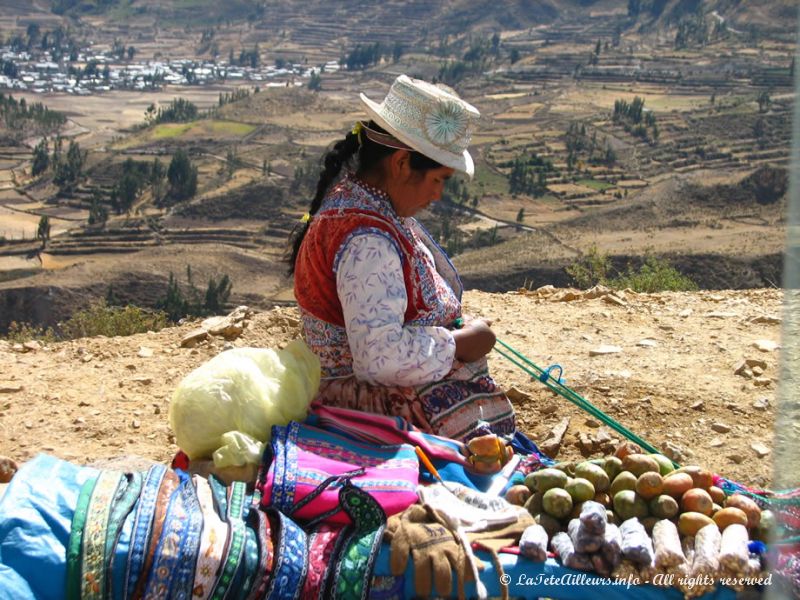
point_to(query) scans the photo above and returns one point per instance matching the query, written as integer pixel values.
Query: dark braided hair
(370, 154)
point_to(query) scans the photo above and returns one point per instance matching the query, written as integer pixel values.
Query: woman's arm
(370, 285)
(475, 340)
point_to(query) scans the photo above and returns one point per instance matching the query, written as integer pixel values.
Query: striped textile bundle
(305, 457)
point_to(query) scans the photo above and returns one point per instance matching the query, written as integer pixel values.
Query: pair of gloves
(437, 534)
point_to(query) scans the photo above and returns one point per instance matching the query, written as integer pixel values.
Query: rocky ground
(694, 374)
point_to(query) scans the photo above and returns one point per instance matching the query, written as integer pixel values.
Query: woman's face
(413, 191)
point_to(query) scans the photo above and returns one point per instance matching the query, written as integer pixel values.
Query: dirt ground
(663, 365)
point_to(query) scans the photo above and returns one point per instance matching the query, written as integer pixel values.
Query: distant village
(97, 72)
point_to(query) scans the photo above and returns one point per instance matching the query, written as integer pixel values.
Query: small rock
(736, 458)
(760, 449)
(130, 366)
(136, 424)
(10, 388)
(698, 405)
(79, 421)
(87, 357)
(144, 352)
(720, 427)
(7, 469)
(612, 299)
(548, 409)
(552, 443)
(758, 371)
(647, 343)
(716, 443)
(762, 381)
(194, 337)
(765, 345)
(32, 345)
(142, 380)
(605, 349)
(566, 296)
(674, 452)
(592, 423)
(685, 313)
(516, 395)
(156, 409)
(768, 319)
(756, 362)
(721, 315)
(761, 404)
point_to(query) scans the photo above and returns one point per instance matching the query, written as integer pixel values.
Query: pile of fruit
(645, 495)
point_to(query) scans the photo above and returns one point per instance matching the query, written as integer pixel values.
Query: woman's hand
(474, 341)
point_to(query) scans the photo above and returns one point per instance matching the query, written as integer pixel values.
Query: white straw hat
(430, 119)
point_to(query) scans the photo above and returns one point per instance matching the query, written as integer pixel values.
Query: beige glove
(434, 549)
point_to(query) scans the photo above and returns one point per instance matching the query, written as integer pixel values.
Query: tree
(98, 214)
(173, 303)
(521, 215)
(182, 177)
(43, 231)
(764, 101)
(217, 294)
(41, 158)
(158, 175)
(513, 56)
(315, 83)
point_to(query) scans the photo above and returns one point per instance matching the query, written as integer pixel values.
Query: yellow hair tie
(357, 129)
(306, 218)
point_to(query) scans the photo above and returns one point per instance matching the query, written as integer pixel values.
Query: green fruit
(665, 465)
(663, 507)
(628, 504)
(557, 503)
(612, 466)
(624, 481)
(551, 525)
(530, 481)
(580, 489)
(534, 503)
(593, 473)
(547, 479)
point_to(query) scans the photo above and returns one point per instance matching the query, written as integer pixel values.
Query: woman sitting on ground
(379, 299)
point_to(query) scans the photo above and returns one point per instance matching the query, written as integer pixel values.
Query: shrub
(110, 321)
(25, 332)
(655, 275)
(591, 270)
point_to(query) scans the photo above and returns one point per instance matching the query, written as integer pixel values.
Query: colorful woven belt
(235, 508)
(354, 566)
(213, 542)
(321, 545)
(142, 528)
(257, 519)
(93, 547)
(291, 558)
(127, 494)
(163, 501)
(175, 557)
(73, 587)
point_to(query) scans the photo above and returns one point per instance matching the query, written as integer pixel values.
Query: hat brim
(460, 162)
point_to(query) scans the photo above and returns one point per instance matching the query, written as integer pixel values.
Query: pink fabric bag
(309, 465)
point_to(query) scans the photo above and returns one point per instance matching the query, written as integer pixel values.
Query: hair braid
(341, 154)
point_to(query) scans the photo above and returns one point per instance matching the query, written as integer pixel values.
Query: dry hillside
(668, 366)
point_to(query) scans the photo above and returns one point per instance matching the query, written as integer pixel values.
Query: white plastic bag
(245, 390)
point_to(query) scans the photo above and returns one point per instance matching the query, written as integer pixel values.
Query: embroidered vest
(349, 209)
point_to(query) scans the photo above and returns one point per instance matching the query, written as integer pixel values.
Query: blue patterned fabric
(291, 559)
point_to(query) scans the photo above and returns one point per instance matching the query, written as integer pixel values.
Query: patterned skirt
(463, 405)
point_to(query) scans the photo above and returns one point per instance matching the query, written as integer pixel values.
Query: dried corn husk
(636, 544)
(533, 543)
(667, 545)
(584, 542)
(562, 545)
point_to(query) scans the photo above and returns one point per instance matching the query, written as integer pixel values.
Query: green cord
(561, 389)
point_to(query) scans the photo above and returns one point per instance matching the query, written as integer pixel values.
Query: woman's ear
(400, 165)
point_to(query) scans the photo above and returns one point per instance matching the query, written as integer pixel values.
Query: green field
(595, 184)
